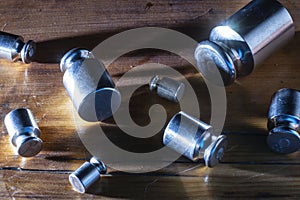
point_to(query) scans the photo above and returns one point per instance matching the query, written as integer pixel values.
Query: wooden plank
(238, 182)
(244, 149)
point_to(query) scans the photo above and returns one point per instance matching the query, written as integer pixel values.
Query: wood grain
(249, 168)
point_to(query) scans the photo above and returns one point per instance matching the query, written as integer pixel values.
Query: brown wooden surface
(249, 168)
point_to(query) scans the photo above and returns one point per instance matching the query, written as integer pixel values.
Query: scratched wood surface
(249, 168)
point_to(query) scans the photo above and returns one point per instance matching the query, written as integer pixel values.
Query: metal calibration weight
(87, 174)
(89, 85)
(167, 88)
(13, 48)
(284, 121)
(194, 139)
(244, 41)
(23, 131)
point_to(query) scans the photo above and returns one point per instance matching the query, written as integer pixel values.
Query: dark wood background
(249, 168)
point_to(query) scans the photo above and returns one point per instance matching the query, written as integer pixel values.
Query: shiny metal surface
(215, 152)
(23, 131)
(194, 139)
(13, 48)
(284, 120)
(87, 174)
(245, 40)
(167, 88)
(89, 85)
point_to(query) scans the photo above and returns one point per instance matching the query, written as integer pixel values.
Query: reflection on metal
(167, 88)
(244, 40)
(13, 48)
(89, 85)
(24, 132)
(87, 174)
(194, 139)
(284, 120)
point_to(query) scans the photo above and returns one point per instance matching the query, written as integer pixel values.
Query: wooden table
(248, 170)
